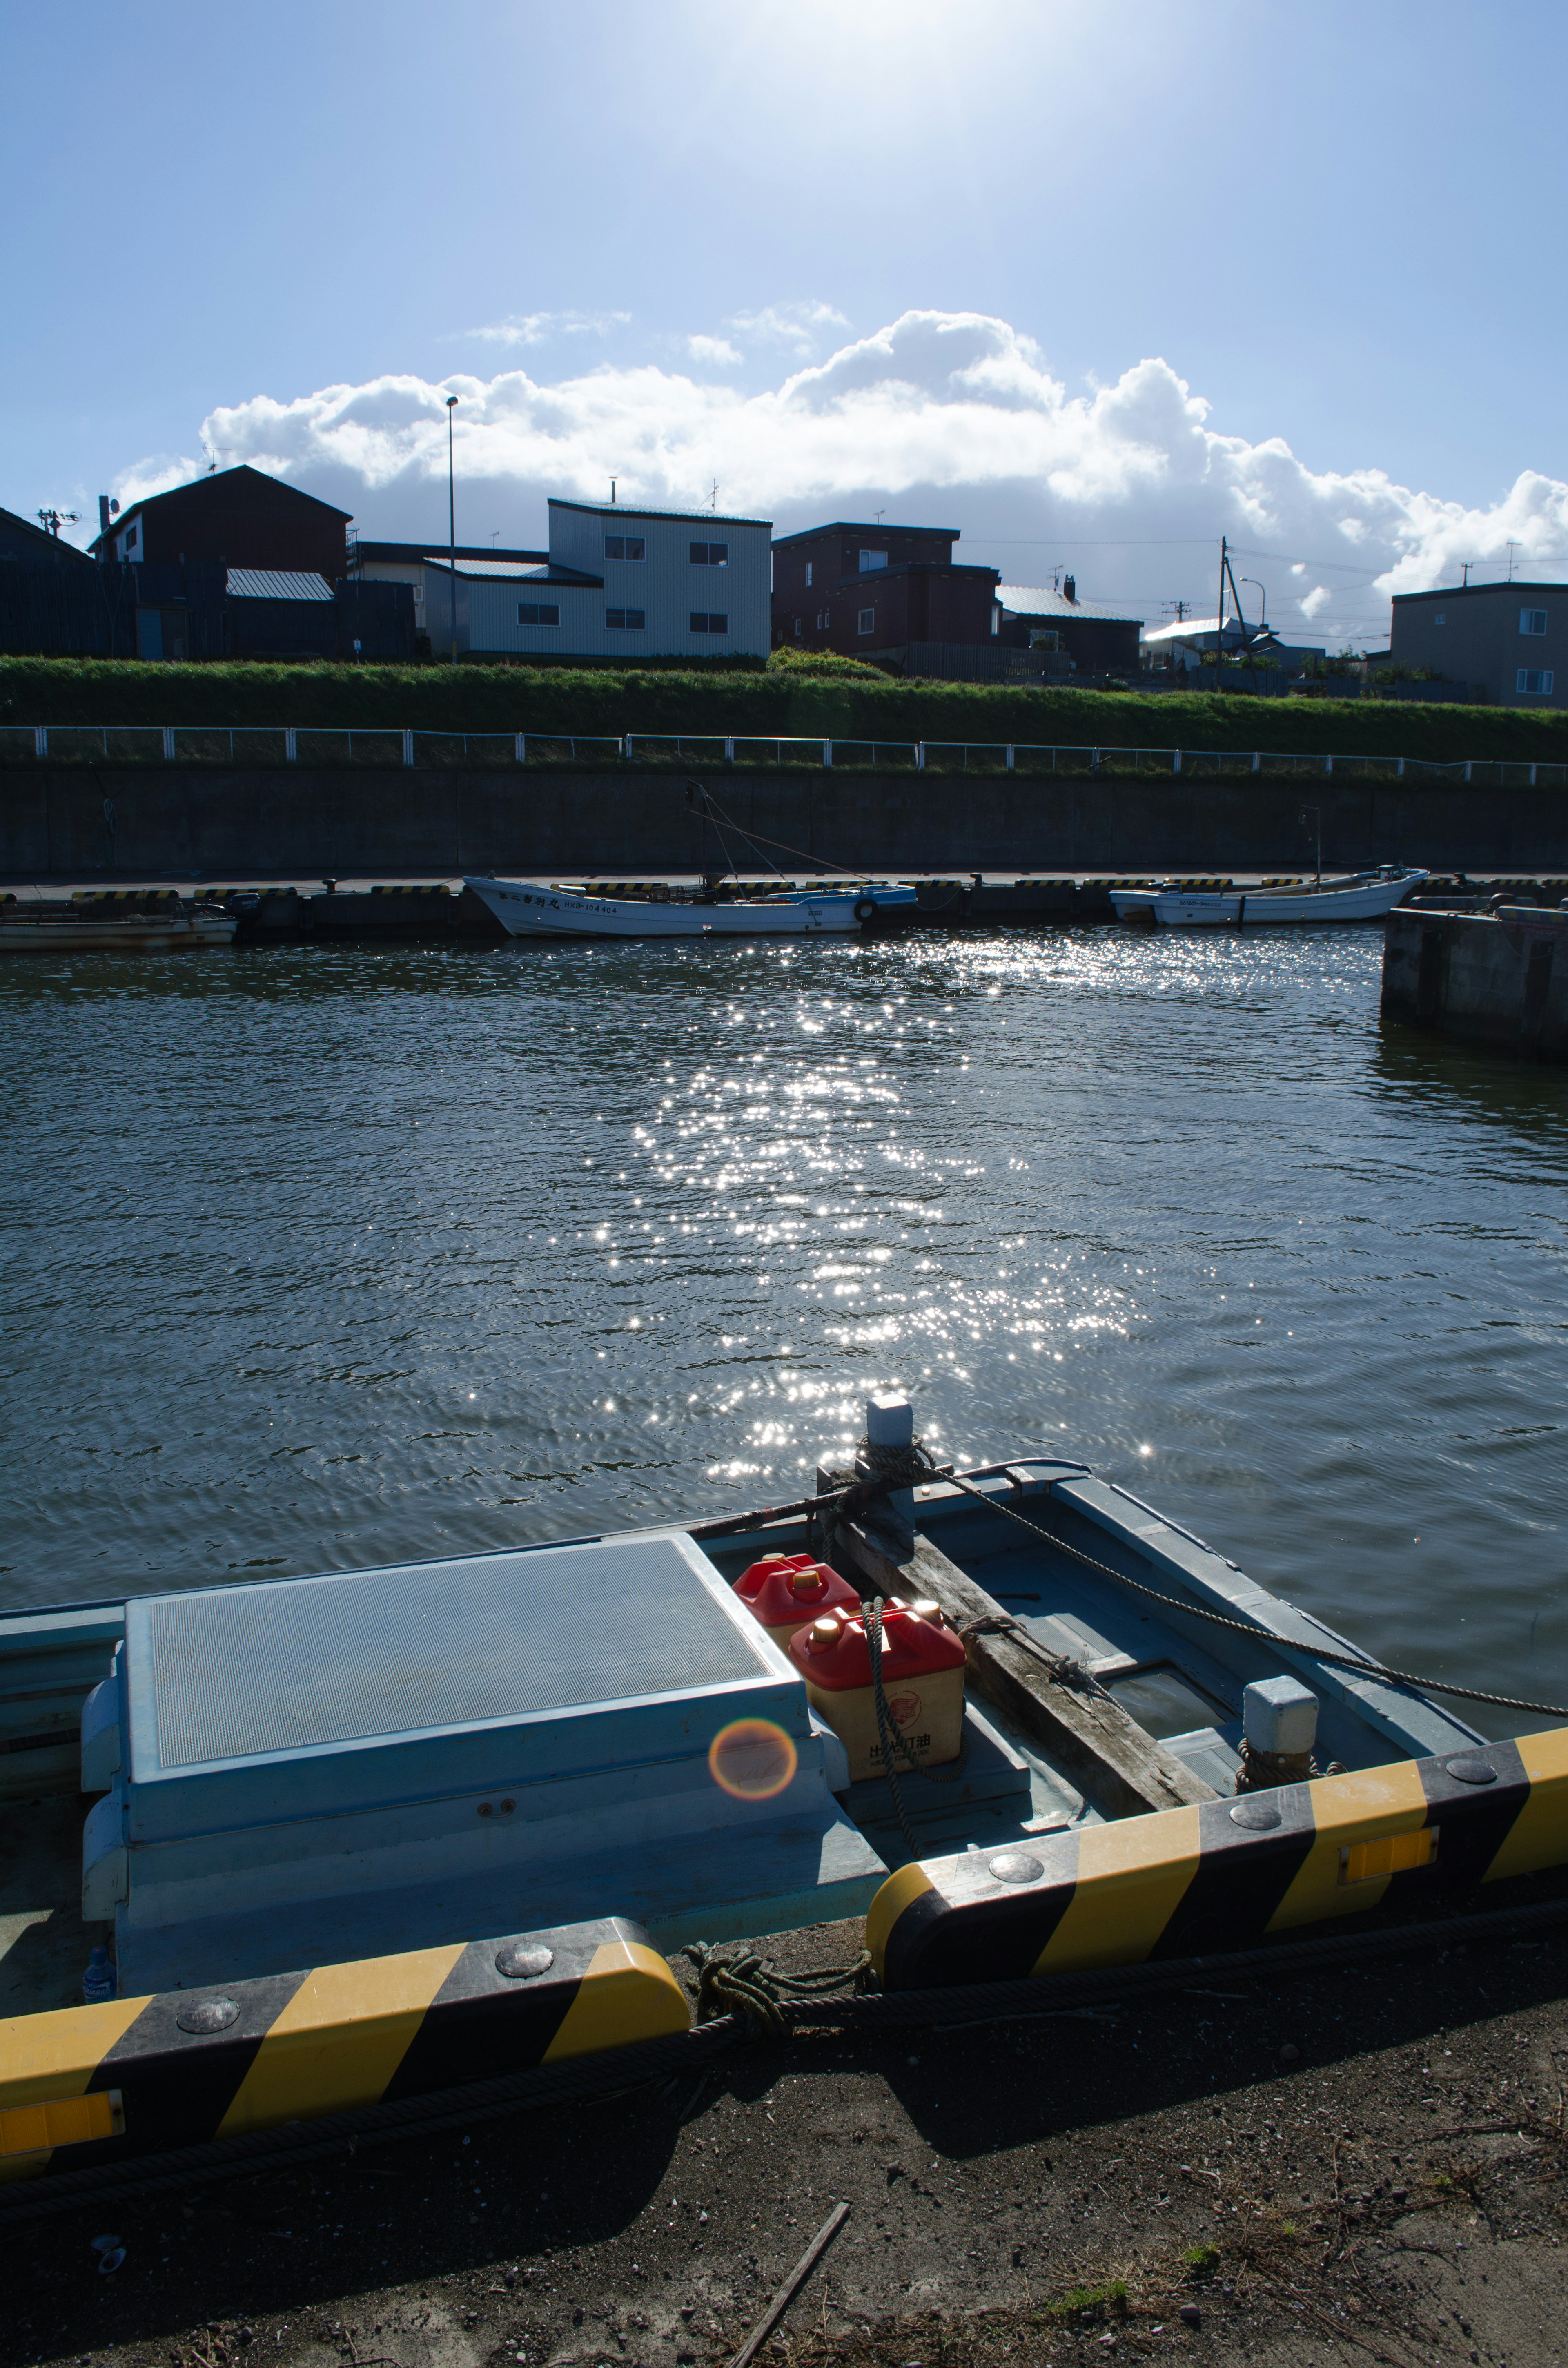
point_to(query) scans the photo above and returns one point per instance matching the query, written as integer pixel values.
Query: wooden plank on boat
(1087, 1734)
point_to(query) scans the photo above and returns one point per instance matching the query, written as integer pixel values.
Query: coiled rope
(751, 1987)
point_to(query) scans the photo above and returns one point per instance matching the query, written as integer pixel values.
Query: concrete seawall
(1500, 980)
(85, 822)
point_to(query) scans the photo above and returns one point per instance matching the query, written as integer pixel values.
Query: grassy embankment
(841, 700)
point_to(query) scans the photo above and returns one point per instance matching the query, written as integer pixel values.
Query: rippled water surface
(323, 1259)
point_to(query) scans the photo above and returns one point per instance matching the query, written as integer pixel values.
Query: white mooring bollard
(890, 1425)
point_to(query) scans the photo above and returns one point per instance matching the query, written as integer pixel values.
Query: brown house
(893, 592)
(235, 518)
(1089, 636)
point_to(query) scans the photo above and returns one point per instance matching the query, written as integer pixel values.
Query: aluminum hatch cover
(284, 1666)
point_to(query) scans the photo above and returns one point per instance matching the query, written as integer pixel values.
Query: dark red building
(235, 518)
(889, 592)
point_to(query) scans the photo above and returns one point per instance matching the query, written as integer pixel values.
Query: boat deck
(1179, 1677)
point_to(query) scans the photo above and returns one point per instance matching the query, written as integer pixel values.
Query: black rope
(1249, 1628)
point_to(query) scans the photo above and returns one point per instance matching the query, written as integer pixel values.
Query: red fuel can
(787, 1591)
(923, 1665)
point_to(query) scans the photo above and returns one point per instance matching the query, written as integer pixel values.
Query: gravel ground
(1362, 2164)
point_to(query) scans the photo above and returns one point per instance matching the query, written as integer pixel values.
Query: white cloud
(795, 326)
(154, 475)
(534, 328)
(717, 351)
(953, 418)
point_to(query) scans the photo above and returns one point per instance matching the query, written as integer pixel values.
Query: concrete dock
(1498, 979)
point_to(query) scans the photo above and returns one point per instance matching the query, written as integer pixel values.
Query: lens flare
(751, 1759)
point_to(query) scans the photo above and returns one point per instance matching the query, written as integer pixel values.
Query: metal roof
(1034, 601)
(567, 579)
(631, 511)
(274, 583)
(856, 526)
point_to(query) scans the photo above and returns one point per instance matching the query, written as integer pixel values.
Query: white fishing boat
(531, 908)
(1365, 896)
(57, 929)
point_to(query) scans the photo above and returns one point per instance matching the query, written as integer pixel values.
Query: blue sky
(1092, 282)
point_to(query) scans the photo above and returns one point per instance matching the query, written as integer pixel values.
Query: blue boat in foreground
(224, 1782)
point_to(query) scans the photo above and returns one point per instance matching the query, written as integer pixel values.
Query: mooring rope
(1247, 1628)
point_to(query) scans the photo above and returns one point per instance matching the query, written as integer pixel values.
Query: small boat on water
(529, 908)
(58, 928)
(1364, 896)
(369, 1837)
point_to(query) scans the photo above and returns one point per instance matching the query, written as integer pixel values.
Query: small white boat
(1367, 896)
(46, 928)
(528, 908)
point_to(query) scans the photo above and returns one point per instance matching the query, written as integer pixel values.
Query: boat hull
(1215, 909)
(527, 910)
(127, 936)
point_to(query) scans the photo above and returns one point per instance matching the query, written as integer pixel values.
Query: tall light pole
(452, 523)
(1263, 627)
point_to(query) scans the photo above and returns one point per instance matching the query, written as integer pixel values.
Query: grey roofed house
(1097, 636)
(1510, 640)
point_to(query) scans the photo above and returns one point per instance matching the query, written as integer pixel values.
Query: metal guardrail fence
(288, 744)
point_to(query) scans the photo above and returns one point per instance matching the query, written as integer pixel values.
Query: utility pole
(452, 524)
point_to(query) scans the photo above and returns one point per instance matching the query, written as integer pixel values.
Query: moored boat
(528, 908)
(79, 928)
(1364, 896)
(1012, 1715)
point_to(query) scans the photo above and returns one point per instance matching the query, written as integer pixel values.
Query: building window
(867, 621)
(995, 620)
(797, 628)
(1533, 620)
(538, 612)
(623, 546)
(808, 574)
(1441, 617)
(1533, 682)
(709, 554)
(709, 621)
(629, 621)
(870, 559)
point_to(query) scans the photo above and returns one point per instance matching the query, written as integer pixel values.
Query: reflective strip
(61, 2121)
(1369, 1806)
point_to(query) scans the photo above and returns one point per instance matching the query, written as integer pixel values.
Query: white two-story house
(620, 583)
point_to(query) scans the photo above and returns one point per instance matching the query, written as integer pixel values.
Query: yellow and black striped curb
(93, 2084)
(1223, 1874)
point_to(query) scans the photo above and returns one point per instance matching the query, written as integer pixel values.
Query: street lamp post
(452, 526)
(1263, 626)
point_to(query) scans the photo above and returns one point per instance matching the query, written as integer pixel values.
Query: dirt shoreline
(1391, 2191)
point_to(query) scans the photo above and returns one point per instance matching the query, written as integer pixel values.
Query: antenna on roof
(713, 496)
(612, 491)
(1467, 565)
(52, 520)
(880, 516)
(1512, 546)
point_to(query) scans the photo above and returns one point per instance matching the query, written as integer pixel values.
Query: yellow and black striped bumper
(1185, 1882)
(92, 2084)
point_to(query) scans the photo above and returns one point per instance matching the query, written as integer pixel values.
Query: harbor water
(320, 1257)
